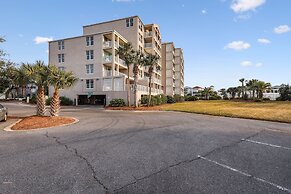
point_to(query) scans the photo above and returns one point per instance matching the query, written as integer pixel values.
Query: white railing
(122, 62)
(148, 45)
(107, 73)
(142, 88)
(157, 80)
(107, 44)
(107, 59)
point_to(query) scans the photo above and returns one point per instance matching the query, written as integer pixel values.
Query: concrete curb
(8, 129)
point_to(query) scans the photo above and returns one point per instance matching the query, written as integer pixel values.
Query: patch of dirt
(142, 108)
(35, 122)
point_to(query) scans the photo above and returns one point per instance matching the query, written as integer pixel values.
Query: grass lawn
(270, 111)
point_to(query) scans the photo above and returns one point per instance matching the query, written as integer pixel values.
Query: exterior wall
(168, 54)
(179, 72)
(146, 38)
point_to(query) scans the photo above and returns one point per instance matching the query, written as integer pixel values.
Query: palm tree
(252, 86)
(59, 80)
(138, 61)
(126, 52)
(242, 80)
(261, 88)
(38, 74)
(207, 91)
(150, 61)
(21, 79)
(232, 91)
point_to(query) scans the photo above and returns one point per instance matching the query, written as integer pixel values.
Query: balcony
(157, 80)
(107, 44)
(148, 45)
(109, 73)
(107, 59)
(120, 62)
(148, 34)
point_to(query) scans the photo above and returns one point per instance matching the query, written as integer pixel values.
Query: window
(129, 22)
(89, 83)
(89, 68)
(90, 54)
(61, 45)
(61, 68)
(61, 58)
(118, 84)
(90, 40)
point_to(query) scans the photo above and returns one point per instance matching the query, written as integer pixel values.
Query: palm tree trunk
(135, 72)
(150, 90)
(128, 87)
(40, 102)
(55, 104)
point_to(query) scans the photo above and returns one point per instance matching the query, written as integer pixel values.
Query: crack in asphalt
(198, 157)
(76, 153)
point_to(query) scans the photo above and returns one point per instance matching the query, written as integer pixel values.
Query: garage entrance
(92, 100)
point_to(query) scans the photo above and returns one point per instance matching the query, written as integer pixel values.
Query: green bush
(170, 100)
(179, 98)
(64, 101)
(33, 100)
(191, 98)
(266, 99)
(119, 102)
(155, 100)
(216, 97)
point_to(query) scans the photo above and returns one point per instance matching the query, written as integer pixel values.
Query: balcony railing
(148, 45)
(107, 59)
(120, 61)
(107, 44)
(157, 80)
(108, 73)
(142, 88)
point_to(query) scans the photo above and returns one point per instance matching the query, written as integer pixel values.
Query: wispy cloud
(40, 40)
(204, 12)
(249, 63)
(264, 41)
(240, 6)
(282, 29)
(238, 45)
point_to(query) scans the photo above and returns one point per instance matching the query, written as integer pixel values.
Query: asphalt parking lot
(146, 152)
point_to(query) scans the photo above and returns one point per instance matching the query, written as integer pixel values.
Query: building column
(113, 59)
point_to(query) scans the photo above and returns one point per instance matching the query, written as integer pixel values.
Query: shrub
(258, 100)
(179, 98)
(48, 101)
(155, 100)
(119, 102)
(33, 100)
(216, 97)
(266, 99)
(170, 100)
(64, 101)
(191, 98)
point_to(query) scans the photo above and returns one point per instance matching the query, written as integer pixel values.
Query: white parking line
(266, 144)
(246, 174)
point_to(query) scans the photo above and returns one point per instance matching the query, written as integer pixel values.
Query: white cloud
(20, 35)
(282, 29)
(246, 63)
(238, 45)
(264, 41)
(47, 51)
(249, 63)
(240, 6)
(204, 11)
(40, 40)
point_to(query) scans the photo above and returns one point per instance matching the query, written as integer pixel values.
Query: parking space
(147, 152)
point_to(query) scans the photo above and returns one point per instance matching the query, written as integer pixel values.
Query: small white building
(272, 93)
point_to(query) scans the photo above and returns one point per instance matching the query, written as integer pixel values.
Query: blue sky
(223, 40)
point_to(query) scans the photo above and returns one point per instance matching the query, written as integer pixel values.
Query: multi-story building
(94, 60)
(172, 69)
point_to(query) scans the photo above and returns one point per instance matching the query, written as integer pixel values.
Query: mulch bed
(35, 122)
(142, 108)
